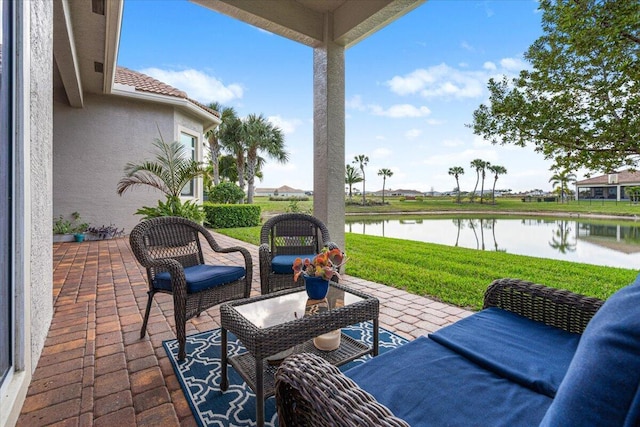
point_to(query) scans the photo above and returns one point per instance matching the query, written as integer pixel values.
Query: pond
(609, 243)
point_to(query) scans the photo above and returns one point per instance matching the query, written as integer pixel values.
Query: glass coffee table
(285, 322)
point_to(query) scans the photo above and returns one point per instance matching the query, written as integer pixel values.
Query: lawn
(447, 204)
(459, 276)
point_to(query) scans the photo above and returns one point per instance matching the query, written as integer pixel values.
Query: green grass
(459, 276)
(447, 204)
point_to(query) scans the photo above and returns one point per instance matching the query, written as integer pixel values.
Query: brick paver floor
(96, 371)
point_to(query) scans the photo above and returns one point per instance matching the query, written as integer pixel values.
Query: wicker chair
(312, 392)
(283, 238)
(170, 249)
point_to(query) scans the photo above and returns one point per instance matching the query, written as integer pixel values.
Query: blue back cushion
(530, 353)
(283, 264)
(201, 277)
(427, 384)
(602, 385)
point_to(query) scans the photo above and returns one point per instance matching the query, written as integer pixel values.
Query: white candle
(329, 341)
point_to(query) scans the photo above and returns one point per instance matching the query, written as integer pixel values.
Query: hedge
(231, 216)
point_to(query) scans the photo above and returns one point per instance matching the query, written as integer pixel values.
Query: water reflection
(614, 244)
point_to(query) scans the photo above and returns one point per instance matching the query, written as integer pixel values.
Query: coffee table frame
(264, 342)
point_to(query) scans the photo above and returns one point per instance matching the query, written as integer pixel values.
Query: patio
(94, 368)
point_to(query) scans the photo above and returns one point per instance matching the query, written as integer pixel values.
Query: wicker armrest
(556, 307)
(311, 391)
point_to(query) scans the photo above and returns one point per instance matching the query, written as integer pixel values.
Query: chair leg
(182, 338)
(143, 331)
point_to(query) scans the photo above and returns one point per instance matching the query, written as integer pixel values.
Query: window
(6, 131)
(189, 143)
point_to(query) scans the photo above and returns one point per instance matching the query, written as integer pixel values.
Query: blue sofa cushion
(201, 277)
(530, 353)
(602, 385)
(283, 264)
(427, 384)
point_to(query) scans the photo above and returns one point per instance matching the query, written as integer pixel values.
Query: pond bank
(485, 213)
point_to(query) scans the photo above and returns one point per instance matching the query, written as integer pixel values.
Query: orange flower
(326, 264)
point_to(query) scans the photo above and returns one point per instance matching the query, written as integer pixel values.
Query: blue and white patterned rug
(199, 376)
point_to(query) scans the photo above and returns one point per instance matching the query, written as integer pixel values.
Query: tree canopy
(579, 103)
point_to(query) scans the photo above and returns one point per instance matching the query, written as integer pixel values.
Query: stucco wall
(92, 146)
(40, 174)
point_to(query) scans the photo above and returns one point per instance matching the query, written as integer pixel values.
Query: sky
(410, 88)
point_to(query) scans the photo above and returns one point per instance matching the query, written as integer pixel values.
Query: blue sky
(410, 87)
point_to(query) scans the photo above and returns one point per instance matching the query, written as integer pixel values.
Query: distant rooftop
(623, 177)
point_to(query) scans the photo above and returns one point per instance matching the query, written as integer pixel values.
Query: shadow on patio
(95, 370)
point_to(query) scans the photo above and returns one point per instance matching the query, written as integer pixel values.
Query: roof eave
(210, 121)
(113, 15)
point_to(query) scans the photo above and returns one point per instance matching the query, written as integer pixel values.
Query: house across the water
(610, 186)
(284, 191)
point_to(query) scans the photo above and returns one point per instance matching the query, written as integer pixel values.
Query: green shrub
(402, 198)
(174, 207)
(419, 198)
(226, 193)
(295, 208)
(231, 216)
(276, 198)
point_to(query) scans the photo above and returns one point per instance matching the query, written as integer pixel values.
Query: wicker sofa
(533, 356)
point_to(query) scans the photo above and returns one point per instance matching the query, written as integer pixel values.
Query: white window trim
(198, 184)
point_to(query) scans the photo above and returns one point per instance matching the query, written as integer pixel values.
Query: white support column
(329, 134)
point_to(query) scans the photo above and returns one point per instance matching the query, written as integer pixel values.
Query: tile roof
(143, 83)
(624, 177)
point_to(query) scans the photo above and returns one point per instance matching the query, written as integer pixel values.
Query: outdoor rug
(199, 376)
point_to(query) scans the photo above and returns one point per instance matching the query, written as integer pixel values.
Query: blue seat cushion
(201, 277)
(530, 353)
(283, 264)
(602, 385)
(427, 384)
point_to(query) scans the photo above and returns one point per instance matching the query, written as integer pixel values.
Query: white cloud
(489, 66)
(198, 85)
(513, 64)
(466, 46)
(413, 133)
(287, 126)
(479, 141)
(444, 81)
(400, 111)
(440, 81)
(355, 103)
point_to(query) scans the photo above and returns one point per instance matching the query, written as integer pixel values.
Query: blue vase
(317, 287)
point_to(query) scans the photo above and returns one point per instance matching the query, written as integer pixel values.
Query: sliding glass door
(6, 143)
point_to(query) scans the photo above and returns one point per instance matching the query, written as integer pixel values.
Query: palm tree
(478, 165)
(562, 178)
(227, 168)
(485, 165)
(215, 136)
(233, 143)
(385, 173)
(352, 176)
(361, 160)
(456, 171)
(497, 170)
(171, 171)
(260, 135)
